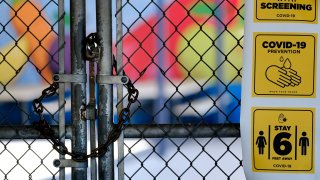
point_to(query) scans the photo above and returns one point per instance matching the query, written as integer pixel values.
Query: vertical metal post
(61, 43)
(92, 104)
(119, 45)
(78, 98)
(220, 59)
(164, 116)
(105, 101)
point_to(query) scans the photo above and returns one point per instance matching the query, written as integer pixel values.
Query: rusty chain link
(92, 51)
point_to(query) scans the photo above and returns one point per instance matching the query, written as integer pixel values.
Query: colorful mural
(189, 45)
(182, 37)
(194, 46)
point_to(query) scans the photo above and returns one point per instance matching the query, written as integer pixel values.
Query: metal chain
(123, 118)
(44, 128)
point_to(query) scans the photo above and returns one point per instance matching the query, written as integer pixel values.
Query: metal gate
(181, 58)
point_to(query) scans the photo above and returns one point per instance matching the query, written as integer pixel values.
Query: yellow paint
(284, 65)
(281, 11)
(12, 60)
(285, 131)
(200, 45)
(234, 52)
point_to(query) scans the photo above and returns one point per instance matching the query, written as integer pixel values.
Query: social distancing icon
(282, 139)
(284, 65)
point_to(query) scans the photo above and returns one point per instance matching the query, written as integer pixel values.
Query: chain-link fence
(28, 58)
(184, 57)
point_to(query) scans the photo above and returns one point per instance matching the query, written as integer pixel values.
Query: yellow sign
(284, 65)
(282, 140)
(289, 10)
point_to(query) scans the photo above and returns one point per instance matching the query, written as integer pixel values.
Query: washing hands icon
(283, 76)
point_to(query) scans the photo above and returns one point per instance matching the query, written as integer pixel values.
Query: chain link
(92, 51)
(123, 118)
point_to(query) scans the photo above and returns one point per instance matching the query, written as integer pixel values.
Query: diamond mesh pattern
(185, 58)
(28, 31)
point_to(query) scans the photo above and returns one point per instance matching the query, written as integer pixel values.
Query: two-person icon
(303, 142)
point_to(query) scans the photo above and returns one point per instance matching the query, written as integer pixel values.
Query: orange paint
(30, 23)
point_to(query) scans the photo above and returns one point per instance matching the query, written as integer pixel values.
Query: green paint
(16, 1)
(66, 18)
(202, 9)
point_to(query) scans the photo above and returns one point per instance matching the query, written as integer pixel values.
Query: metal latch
(106, 79)
(69, 163)
(88, 112)
(70, 78)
